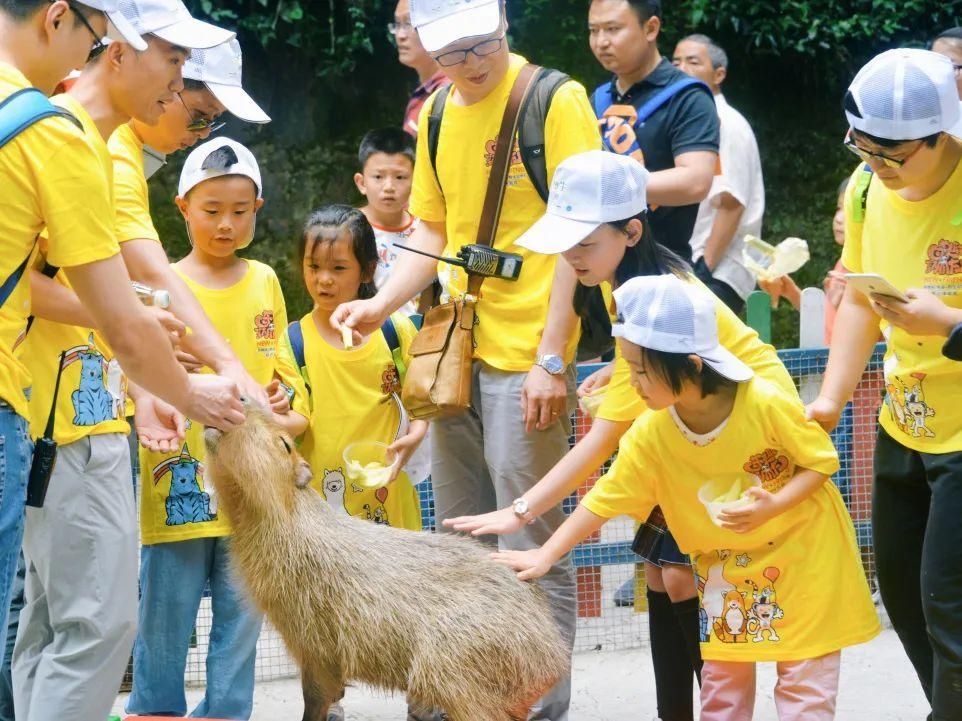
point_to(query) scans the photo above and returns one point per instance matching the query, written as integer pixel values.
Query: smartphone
(869, 283)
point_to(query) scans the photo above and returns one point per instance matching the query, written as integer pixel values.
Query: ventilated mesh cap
(219, 68)
(906, 94)
(119, 27)
(171, 21)
(442, 22)
(587, 189)
(665, 313)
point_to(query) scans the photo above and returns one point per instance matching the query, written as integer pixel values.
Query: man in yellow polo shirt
(52, 178)
(74, 640)
(903, 221)
(526, 335)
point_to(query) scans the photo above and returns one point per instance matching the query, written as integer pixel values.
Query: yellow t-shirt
(175, 504)
(511, 315)
(621, 403)
(51, 175)
(133, 219)
(914, 245)
(354, 398)
(793, 588)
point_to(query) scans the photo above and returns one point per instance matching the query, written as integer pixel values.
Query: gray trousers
(79, 621)
(481, 461)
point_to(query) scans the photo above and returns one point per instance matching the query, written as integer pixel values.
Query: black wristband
(952, 349)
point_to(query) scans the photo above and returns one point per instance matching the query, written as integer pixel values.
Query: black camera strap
(51, 419)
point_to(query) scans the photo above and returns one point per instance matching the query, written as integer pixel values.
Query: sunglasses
(199, 123)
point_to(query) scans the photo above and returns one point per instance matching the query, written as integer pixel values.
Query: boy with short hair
(386, 162)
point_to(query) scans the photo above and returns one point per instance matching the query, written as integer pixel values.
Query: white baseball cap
(442, 22)
(171, 21)
(906, 94)
(587, 190)
(219, 68)
(201, 166)
(667, 314)
(119, 27)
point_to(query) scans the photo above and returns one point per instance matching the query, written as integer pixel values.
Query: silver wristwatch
(553, 364)
(521, 510)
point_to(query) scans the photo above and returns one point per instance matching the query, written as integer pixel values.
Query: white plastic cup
(369, 463)
(710, 492)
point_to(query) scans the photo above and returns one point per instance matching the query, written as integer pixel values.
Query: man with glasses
(74, 638)
(412, 54)
(949, 44)
(526, 334)
(906, 125)
(53, 177)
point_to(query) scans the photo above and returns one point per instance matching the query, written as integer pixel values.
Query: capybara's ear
(304, 475)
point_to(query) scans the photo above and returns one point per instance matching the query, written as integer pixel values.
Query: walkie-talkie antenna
(452, 261)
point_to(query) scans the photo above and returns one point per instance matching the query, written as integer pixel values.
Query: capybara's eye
(287, 446)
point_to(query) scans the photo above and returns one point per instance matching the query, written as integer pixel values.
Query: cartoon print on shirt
(907, 405)
(764, 609)
(770, 467)
(264, 325)
(714, 588)
(92, 401)
(732, 625)
(186, 502)
(944, 258)
(334, 487)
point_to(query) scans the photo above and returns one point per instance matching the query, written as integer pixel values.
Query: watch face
(553, 364)
(521, 506)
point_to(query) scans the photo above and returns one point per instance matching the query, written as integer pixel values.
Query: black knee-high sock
(687, 614)
(669, 655)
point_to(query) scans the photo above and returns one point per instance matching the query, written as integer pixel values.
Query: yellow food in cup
(371, 475)
(732, 494)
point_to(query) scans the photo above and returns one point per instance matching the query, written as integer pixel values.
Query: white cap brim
(727, 364)
(191, 33)
(121, 30)
(553, 234)
(239, 103)
(473, 22)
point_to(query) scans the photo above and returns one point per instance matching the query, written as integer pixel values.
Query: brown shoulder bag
(438, 378)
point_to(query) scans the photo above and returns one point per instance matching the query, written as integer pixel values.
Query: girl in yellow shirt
(597, 221)
(186, 537)
(743, 480)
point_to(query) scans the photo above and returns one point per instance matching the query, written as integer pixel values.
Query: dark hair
(23, 9)
(390, 141)
(194, 85)
(646, 9)
(950, 34)
(851, 106)
(676, 369)
(646, 257)
(327, 222)
(716, 53)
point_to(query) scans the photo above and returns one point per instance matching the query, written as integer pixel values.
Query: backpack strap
(18, 112)
(23, 109)
(434, 127)
(652, 105)
(295, 337)
(394, 344)
(531, 128)
(860, 193)
(601, 99)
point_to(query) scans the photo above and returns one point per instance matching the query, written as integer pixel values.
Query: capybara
(357, 601)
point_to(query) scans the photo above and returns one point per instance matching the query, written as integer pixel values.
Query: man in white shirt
(736, 203)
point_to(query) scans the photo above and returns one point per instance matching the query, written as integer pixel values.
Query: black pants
(917, 531)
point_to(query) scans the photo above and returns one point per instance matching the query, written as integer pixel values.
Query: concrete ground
(878, 684)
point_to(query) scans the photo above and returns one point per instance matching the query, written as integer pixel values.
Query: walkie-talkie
(480, 260)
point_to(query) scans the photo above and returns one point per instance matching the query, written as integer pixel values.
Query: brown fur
(356, 601)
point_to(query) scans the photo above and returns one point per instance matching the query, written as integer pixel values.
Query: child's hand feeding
(406, 445)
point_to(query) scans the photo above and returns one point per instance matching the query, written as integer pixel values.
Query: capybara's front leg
(320, 691)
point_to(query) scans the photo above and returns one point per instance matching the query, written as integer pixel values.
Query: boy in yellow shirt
(743, 481)
(185, 535)
(902, 221)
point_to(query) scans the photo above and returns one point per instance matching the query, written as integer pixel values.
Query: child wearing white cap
(903, 221)
(743, 480)
(185, 538)
(597, 221)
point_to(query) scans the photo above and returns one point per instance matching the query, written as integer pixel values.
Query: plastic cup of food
(726, 494)
(369, 463)
(590, 403)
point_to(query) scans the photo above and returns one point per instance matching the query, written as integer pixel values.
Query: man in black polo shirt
(678, 142)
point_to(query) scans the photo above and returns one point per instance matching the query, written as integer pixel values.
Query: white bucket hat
(587, 190)
(667, 314)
